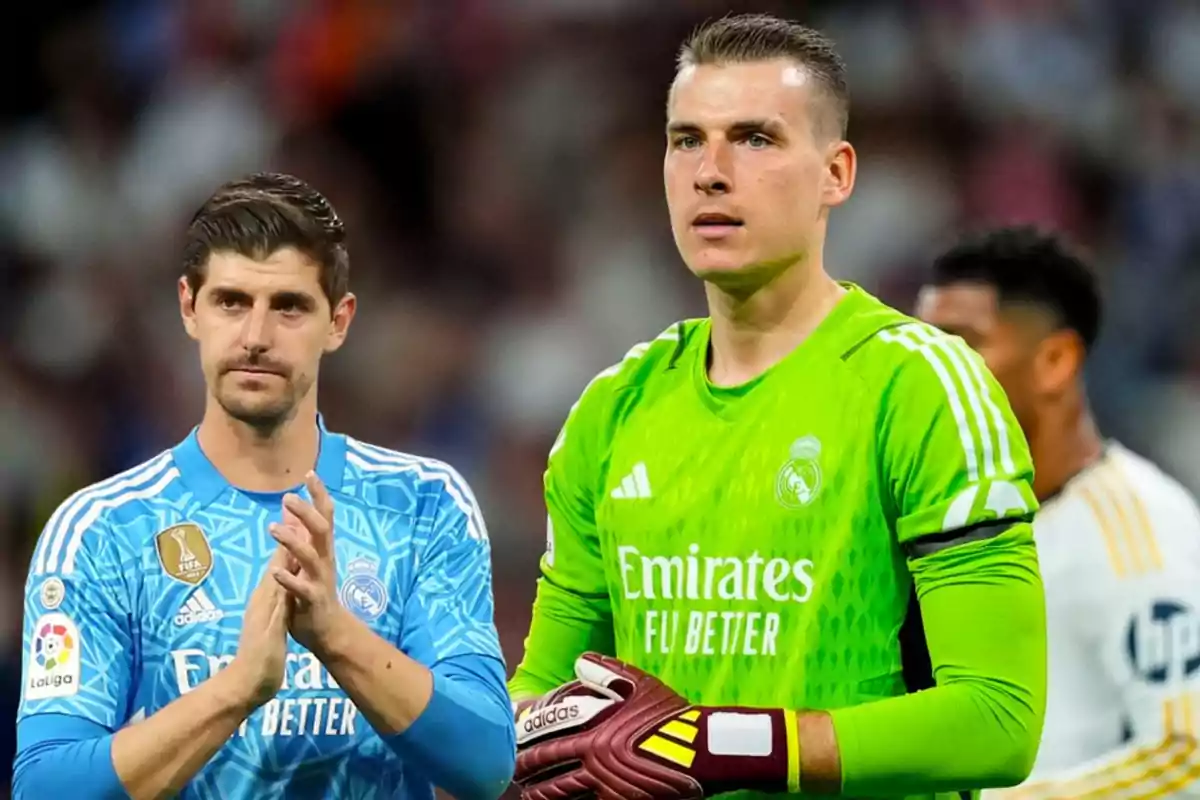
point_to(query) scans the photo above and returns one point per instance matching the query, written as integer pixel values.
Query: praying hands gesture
(306, 533)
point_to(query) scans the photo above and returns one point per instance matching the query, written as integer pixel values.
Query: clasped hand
(309, 575)
(584, 738)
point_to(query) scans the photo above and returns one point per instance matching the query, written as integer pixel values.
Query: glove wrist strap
(729, 748)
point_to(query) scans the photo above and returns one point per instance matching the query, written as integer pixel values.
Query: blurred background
(498, 165)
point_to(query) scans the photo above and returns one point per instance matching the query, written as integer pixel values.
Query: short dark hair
(1025, 264)
(742, 38)
(264, 212)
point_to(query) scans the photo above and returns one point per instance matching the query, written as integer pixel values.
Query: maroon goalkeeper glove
(618, 733)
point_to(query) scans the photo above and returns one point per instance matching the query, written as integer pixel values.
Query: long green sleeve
(572, 612)
(983, 608)
(564, 625)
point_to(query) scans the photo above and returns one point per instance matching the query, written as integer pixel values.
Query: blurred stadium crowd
(498, 166)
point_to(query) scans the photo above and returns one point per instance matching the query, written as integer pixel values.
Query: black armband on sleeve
(937, 542)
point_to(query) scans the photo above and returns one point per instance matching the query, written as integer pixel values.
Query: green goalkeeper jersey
(758, 545)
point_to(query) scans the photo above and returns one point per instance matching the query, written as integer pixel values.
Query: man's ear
(1059, 362)
(339, 323)
(841, 171)
(187, 307)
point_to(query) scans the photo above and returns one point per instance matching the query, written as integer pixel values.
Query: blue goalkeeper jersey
(138, 584)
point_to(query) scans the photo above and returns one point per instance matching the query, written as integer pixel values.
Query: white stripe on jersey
(974, 362)
(101, 505)
(456, 486)
(968, 381)
(939, 349)
(372, 458)
(56, 531)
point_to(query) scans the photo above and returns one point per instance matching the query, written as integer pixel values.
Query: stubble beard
(266, 416)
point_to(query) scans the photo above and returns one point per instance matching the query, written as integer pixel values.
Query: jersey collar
(207, 484)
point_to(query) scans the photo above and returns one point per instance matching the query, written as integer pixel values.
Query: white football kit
(1119, 548)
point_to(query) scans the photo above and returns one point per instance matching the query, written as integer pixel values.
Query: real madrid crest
(184, 553)
(362, 592)
(799, 479)
(52, 593)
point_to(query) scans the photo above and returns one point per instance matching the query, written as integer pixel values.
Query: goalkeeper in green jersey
(741, 510)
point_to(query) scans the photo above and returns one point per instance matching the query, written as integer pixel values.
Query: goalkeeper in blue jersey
(159, 603)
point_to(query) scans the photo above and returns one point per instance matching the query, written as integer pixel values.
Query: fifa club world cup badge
(184, 553)
(362, 591)
(799, 479)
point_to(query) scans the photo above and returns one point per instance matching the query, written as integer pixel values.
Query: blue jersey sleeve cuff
(63, 756)
(462, 709)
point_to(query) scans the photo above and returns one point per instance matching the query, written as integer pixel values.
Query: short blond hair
(743, 38)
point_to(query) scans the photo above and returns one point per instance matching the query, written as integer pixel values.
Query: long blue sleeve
(449, 627)
(63, 756)
(469, 705)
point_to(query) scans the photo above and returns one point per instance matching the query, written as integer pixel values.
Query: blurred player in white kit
(1118, 539)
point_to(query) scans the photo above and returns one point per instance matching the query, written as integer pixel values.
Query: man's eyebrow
(297, 298)
(744, 127)
(228, 292)
(677, 127)
(739, 128)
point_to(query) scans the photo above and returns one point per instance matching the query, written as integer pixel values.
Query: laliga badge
(53, 658)
(362, 592)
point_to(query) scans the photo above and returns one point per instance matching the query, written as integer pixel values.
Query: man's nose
(714, 172)
(256, 333)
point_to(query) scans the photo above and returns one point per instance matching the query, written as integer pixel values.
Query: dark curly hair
(261, 213)
(1025, 264)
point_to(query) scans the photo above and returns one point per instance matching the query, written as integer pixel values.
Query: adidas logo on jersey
(635, 485)
(197, 609)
